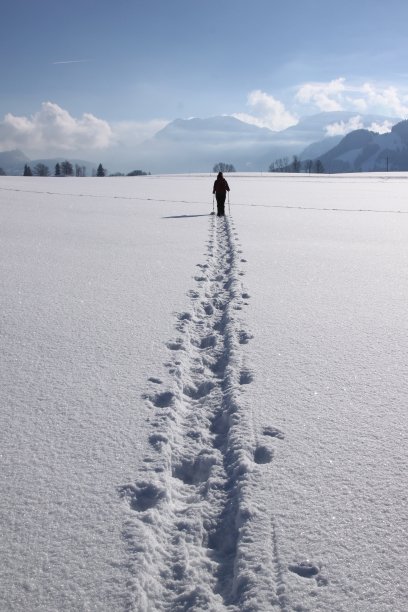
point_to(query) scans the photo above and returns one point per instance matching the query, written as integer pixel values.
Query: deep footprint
(244, 337)
(175, 346)
(305, 569)
(273, 432)
(208, 342)
(263, 454)
(163, 400)
(157, 440)
(143, 495)
(199, 391)
(246, 377)
(208, 309)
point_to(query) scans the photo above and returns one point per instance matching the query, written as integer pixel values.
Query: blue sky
(131, 65)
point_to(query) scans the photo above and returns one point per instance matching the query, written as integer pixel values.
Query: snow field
(217, 430)
(194, 522)
(329, 294)
(83, 319)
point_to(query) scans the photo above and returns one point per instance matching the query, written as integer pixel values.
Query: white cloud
(267, 112)
(381, 128)
(132, 133)
(389, 98)
(326, 96)
(52, 130)
(338, 94)
(341, 128)
(359, 104)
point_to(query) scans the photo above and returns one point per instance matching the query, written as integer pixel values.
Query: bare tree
(41, 170)
(319, 167)
(222, 167)
(80, 170)
(277, 166)
(308, 165)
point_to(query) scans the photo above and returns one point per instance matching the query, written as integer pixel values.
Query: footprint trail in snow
(197, 527)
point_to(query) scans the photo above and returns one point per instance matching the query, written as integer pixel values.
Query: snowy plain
(202, 413)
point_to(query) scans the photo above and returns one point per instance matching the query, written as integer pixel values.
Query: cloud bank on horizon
(336, 95)
(54, 130)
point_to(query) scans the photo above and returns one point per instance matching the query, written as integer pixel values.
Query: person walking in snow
(220, 189)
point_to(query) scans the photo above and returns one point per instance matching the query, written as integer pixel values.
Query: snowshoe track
(192, 517)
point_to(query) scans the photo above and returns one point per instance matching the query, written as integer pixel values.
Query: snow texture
(195, 529)
(204, 413)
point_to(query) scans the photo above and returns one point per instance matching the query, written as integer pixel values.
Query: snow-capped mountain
(195, 145)
(366, 151)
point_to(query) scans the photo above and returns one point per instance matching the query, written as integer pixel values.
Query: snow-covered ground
(202, 413)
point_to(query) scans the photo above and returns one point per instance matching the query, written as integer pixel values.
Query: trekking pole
(229, 206)
(213, 205)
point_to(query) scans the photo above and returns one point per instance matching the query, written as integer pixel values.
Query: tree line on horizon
(65, 168)
(281, 165)
(297, 165)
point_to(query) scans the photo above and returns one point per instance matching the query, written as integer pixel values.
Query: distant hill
(195, 145)
(213, 126)
(13, 162)
(317, 149)
(366, 151)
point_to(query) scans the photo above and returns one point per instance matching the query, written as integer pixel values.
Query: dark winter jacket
(220, 185)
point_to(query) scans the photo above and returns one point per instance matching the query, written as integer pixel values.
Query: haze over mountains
(195, 145)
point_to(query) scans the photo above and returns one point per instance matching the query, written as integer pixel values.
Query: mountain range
(196, 145)
(367, 151)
